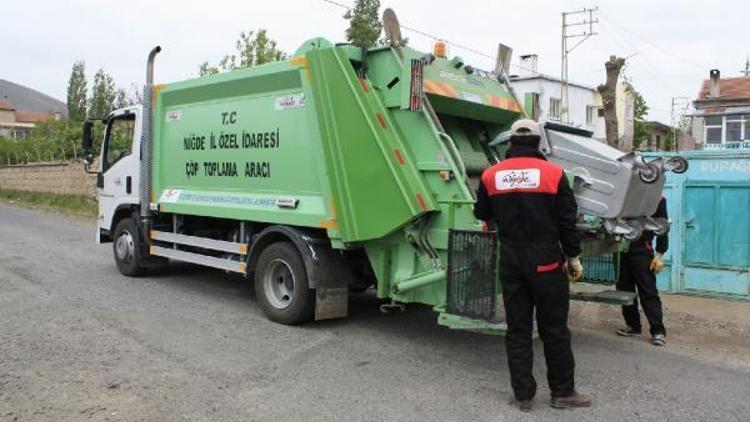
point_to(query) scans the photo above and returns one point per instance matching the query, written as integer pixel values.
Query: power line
(649, 42)
(435, 37)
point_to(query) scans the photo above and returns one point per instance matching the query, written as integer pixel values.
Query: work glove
(657, 263)
(575, 269)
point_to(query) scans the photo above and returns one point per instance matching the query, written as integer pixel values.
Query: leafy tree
(77, 92)
(252, 49)
(103, 95)
(364, 23)
(121, 99)
(641, 128)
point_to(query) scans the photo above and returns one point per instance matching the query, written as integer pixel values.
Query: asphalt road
(78, 341)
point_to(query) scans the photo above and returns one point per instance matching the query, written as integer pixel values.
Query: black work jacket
(530, 200)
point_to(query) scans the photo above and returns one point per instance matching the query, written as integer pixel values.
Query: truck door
(118, 180)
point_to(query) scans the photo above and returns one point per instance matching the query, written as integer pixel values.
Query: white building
(585, 102)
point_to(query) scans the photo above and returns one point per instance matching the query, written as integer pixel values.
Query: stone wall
(65, 177)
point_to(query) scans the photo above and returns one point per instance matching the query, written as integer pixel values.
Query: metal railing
(727, 145)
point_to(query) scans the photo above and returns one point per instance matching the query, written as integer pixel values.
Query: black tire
(280, 266)
(126, 247)
(650, 174)
(680, 164)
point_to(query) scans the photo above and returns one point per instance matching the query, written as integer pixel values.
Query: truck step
(200, 242)
(195, 258)
(614, 297)
(458, 322)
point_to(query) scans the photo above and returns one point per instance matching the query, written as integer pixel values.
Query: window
(713, 129)
(592, 112)
(734, 128)
(554, 108)
(119, 140)
(727, 129)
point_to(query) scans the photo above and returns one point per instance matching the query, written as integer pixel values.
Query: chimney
(713, 92)
(529, 65)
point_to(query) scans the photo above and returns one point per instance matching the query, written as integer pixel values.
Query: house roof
(737, 87)
(25, 98)
(659, 126)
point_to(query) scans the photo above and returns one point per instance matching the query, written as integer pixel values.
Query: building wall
(625, 117)
(743, 116)
(7, 116)
(579, 99)
(61, 177)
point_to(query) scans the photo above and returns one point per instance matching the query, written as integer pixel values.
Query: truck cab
(118, 169)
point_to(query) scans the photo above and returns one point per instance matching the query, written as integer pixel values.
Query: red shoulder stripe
(522, 174)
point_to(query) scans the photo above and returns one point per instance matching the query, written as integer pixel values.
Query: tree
(608, 91)
(103, 95)
(77, 92)
(641, 128)
(364, 23)
(252, 49)
(121, 99)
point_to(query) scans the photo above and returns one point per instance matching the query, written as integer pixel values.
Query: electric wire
(454, 44)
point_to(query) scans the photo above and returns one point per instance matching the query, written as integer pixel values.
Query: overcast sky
(671, 44)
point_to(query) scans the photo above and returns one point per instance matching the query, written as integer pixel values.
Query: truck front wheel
(126, 246)
(281, 285)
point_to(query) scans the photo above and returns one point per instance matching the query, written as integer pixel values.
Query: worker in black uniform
(638, 269)
(532, 204)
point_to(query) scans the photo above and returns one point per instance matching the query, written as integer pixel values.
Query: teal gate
(709, 207)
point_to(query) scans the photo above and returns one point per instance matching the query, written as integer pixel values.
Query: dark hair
(525, 140)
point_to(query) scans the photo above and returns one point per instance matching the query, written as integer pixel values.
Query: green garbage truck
(338, 170)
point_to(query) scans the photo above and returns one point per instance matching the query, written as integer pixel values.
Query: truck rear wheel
(126, 247)
(281, 285)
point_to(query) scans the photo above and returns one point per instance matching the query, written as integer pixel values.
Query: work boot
(524, 405)
(659, 340)
(628, 332)
(573, 400)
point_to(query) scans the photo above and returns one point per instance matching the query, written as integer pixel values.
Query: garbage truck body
(335, 171)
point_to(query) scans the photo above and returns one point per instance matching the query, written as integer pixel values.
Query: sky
(670, 45)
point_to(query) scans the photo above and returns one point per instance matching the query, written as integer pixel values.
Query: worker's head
(525, 132)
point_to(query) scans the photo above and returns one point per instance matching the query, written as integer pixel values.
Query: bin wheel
(650, 174)
(126, 247)
(281, 285)
(679, 164)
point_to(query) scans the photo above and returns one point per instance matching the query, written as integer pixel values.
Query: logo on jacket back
(517, 179)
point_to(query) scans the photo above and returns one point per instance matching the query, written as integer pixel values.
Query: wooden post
(608, 91)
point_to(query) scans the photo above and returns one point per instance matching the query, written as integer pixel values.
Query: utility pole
(564, 51)
(680, 107)
(747, 67)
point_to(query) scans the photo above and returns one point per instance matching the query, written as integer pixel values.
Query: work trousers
(635, 274)
(533, 278)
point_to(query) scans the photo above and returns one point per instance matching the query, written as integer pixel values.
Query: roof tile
(728, 87)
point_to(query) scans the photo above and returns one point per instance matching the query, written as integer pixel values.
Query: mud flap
(332, 291)
(331, 302)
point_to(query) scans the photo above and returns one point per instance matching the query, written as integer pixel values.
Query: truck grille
(472, 274)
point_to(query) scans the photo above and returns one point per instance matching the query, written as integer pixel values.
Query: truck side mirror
(88, 144)
(88, 141)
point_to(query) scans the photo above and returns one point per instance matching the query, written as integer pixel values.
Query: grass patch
(67, 204)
